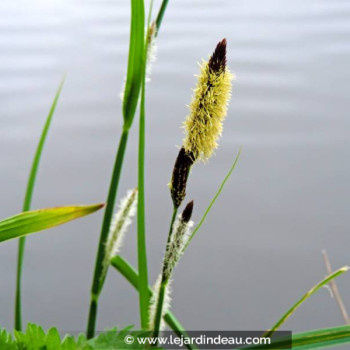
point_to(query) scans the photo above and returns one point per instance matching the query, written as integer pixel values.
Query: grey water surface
(288, 199)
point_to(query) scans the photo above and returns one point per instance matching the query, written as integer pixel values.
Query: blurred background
(260, 248)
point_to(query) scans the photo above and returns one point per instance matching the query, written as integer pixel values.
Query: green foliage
(135, 62)
(27, 202)
(114, 340)
(217, 194)
(313, 290)
(316, 339)
(130, 274)
(35, 338)
(42, 219)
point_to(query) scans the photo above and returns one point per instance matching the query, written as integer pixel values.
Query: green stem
(212, 202)
(161, 13)
(130, 274)
(163, 284)
(141, 230)
(159, 307)
(26, 206)
(313, 290)
(97, 283)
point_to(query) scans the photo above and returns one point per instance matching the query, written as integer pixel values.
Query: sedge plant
(27, 204)
(135, 80)
(203, 127)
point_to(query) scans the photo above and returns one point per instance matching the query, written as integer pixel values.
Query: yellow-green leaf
(42, 219)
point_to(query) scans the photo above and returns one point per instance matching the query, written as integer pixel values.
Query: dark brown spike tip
(217, 61)
(180, 175)
(187, 213)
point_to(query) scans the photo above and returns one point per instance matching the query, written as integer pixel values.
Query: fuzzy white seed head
(153, 303)
(151, 56)
(120, 224)
(179, 237)
(151, 51)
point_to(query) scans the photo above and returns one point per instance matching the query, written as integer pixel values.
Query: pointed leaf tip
(38, 220)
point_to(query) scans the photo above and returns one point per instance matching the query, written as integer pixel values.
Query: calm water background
(260, 249)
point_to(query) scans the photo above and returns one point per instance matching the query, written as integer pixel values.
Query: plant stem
(27, 204)
(217, 194)
(129, 273)
(163, 284)
(159, 309)
(97, 283)
(313, 290)
(141, 230)
(161, 13)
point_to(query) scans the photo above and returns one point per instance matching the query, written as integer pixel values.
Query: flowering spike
(217, 61)
(208, 108)
(187, 213)
(118, 228)
(181, 171)
(179, 237)
(151, 50)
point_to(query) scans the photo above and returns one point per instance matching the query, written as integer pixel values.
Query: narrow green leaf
(39, 150)
(132, 277)
(313, 290)
(27, 202)
(323, 338)
(38, 220)
(135, 62)
(141, 222)
(214, 199)
(315, 339)
(161, 13)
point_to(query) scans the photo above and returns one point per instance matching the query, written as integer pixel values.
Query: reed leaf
(135, 62)
(315, 339)
(130, 99)
(27, 203)
(37, 220)
(212, 202)
(141, 229)
(161, 12)
(312, 291)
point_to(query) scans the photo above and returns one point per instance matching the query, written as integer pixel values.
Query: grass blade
(323, 338)
(112, 193)
(141, 224)
(213, 200)
(130, 99)
(42, 219)
(315, 339)
(141, 229)
(132, 277)
(313, 290)
(135, 62)
(131, 94)
(27, 203)
(161, 12)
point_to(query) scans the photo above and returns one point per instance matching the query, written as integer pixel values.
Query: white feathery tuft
(179, 238)
(120, 224)
(151, 57)
(151, 54)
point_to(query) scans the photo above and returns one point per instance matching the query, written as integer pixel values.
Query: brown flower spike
(179, 178)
